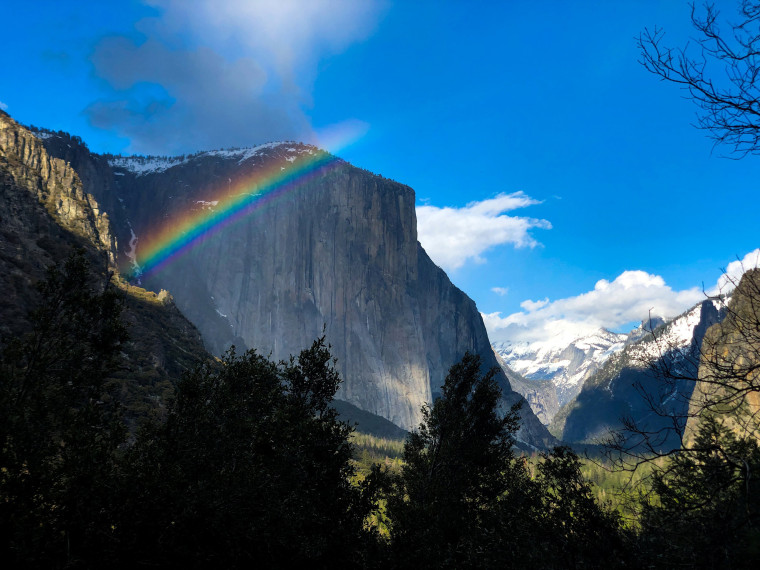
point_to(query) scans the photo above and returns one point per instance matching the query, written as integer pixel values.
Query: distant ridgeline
(584, 390)
(265, 247)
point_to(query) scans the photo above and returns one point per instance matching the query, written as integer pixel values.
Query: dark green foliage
(456, 468)
(59, 427)
(465, 500)
(705, 508)
(571, 523)
(252, 465)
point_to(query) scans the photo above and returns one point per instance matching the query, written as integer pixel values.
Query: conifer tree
(458, 465)
(251, 466)
(59, 424)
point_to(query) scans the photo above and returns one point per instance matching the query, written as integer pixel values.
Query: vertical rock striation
(337, 253)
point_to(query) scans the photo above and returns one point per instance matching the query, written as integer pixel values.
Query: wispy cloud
(3, 106)
(452, 236)
(228, 73)
(501, 291)
(632, 296)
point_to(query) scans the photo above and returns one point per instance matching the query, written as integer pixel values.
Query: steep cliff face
(336, 253)
(55, 184)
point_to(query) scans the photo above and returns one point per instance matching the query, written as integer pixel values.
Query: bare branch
(720, 73)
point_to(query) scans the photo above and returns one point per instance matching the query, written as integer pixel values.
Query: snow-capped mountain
(566, 365)
(649, 381)
(679, 337)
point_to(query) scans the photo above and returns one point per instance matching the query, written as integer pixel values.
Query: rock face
(627, 385)
(54, 183)
(337, 253)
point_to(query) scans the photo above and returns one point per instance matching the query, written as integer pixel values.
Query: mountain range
(586, 390)
(566, 366)
(271, 246)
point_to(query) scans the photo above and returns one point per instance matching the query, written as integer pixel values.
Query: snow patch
(566, 363)
(207, 205)
(678, 335)
(142, 165)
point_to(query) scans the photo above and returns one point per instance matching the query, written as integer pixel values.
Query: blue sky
(561, 185)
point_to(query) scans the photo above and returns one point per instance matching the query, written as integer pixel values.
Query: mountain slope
(727, 383)
(541, 395)
(566, 365)
(627, 386)
(45, 214)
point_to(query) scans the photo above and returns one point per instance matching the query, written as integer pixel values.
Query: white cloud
(630, 297)
(451, 236)
(731, 276)
(501, 291)
(529, 305)
(285, 33)
(3, 106)
(229, 73)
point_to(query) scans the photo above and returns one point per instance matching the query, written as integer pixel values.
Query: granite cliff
(336, 254)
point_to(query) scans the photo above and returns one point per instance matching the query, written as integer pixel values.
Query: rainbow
(235, 202)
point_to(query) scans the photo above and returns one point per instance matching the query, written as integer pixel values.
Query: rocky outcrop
(45, 214)
(55, 184)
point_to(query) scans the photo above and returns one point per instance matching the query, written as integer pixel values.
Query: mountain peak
(565, 360)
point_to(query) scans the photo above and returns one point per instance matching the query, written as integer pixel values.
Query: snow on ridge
(565, 363)
(42, 135)
(142, 165)
(677, 334)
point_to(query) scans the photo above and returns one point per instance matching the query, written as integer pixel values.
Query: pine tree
(251, 466)
(59, 424)
(459, 465)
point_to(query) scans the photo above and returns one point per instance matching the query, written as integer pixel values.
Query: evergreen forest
(248, 464)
